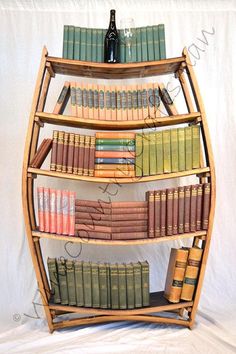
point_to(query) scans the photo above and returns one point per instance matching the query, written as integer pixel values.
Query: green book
(114, 286)
(162, 43)
(181, 148)
(156, 43)
(196, 145)
(65, 41)
(70, 276)
(89, 44)
(103, 285)
(118, 142)
(146, 138)
(108, 285)
(152, 154)
(122, 287)
(77, 44)
(150, 43)
(87, 279)
(139, 155)
(53, 277)
(145, 283)
(104, 31)
(144, 44)
(79, 99)
(83, 39)
(115, 148)
(134, 48)
(99, 53)
(79, 288)
(159, 153)
(188, 149)
(62, 281)
(130, 285)
(137, 285)
(95, 285)
(94, 44)
(70, 48)
(138, 45)
(174, 150)
(166, 151)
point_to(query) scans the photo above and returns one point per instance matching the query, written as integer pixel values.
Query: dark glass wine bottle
(111, 42)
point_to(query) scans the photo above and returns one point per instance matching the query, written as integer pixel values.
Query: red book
(129, 204)
(72, 213)
(46, 204)
(54, 150)
(130, 223)
(70, 158)
(91, 203)
(40, 208)
(60, 145)
(92, 216)
(150, 199)
(187, 196)
(122, 217)
(175, 211)
(193, 208)
(58, 212)
(157, 213)
(163, 212)
(129, 235)
(181, 210)
(129, 210)
(91, 222)
(65, 212)
(169, 211)
(81, 155)
(91, 155)
(199, 208)
(89, 209)
(86, 155)
(206, 205)
(122, 229)
(76, 155)
(98, 228)
(65, 152)
(41, 153)
(52, 215)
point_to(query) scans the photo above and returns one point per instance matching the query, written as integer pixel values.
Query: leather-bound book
(199, 208)
(101, 100)
(95, 285)
(193, 208)
(140, 105)
(61, 266)
(130, 285)
(79, 288)
(122, 217)
(167, 100)
(54, 150)
(206, 205)
(52, 211)
(169, 211)
(187, 201)
(92, 227)
(137, 285)
(122, 229)
(157, 213)
(71, 147)
(114, 286)
(90, 101)
(62, 99)
(175, 274)
(129, 102)
(124, 104)
(87, 284)
(40, 208)
(129, 210)
(58, 212)
(102, 271)
(181, 210)
(128, 205)
(134, 102)
(92, 216)
(163, 212)
(46, 203)
(81, 155)
(95, 100)
(151, 213)
(59, 155)
(91, 155)
(71, 227)
(151, 101)
(113, 102)
(107, 103)
(129, 223)
(92, 209)
(129, 235)
(86, 155)
(65, 212)
(85, 101)
(41, 153)
(145, 283)
(54, 282)
(118, 103)
(175, 210)
(76, 155)
(65, 152)
(70, 275)
(122, 287)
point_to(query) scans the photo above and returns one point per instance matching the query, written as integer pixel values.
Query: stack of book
(182, 273)
(113, 220)
(167, 151)
(178, 210)
(72, 153)
(56, 211)
(99, 285)
(87, 44)
(115, 154)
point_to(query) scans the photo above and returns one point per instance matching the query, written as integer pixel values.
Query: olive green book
(130, 285)
(95, 285)
(145, 283)
(102, 270)
(156, 43)
(108, 285)
(144, 44)
(166, 151)
(138, 45)
(65, 41)
(188, 148)
(181, 148)
(122, 286)
(94, 45)
(174, 150)
(159, 153)
(53, 277)
(137, 285)
(138, 155)
(145, 138)
(196, 146)
(99, 53)
(83, 39)
(89, 44)
(150, 43)
(114, 286)
(162, 42)
(79, 284)
(77, 44)
(61, 266)
(152, 154)
(70, 48)
(87, 279)
(70, 275)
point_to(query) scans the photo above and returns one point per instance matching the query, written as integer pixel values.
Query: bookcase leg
(183, 82)
(42, 267)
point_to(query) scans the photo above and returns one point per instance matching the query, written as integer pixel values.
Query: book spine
(187, 200)
(104, 31)
(163, 212)
(196, 146)
(128, 144)
(146, 142)
(88, 44)
(90, 101)
(134, 101)
(62, 99)
(150, 43)
(129, 103)
(129, 216)
(122, 161)
(86, 155)
(65, 212)
(107, 103)
(71, 147)
(157, 101)
(138, 45)
(159, 153)
(71, 227)
(188, 148)
(40, 195)
(79, 283)
(73, 98)
(46, 204)
(53, 277)
(96, 102)
(139, 155)
(122, 286)
(118, 103)
(152, 154)
(175, 210)
(144, 94)
(81, 155)
(91, 203)
(127, 205)
(169, 211)
(123, 148)
(54, 150)
(156, 43)
(52, 211)
(60, 146)
(174, 150)
(96, 228)
(101, 102)
(65, 152)
(115, 154)
(140, 104)
(41, 154)
(95, 285)
(39, 151)
(91, 156)
(113, 102)
(124, 104)
(193, 208)
(59, 212)
(62, 282)
(166, 151)
(129, 229)
(199, 208)
(108, 285)
(167, 100)
(114, 286)
(83, 44)
(99, 55)
(151, 101)
(129, 235)
(103, 285)
(65, 42)
(79, 100)
(77, 41)
(137, 285)
(151, 214)
(157, 213)
(70, 277)
(70, 48)
(125, 136)
(93, 234)
(87, 284)
(144, 44)
(130, 285)
(76, 155)
(181, 148)
(145, 283)
(161, 32)
(130, 210)
(181, 210)
(206, 205)
(127, 223)
(93, 209)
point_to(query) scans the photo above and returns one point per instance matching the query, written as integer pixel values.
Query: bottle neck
(112, 24)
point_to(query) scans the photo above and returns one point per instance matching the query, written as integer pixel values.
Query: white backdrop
(25, 26)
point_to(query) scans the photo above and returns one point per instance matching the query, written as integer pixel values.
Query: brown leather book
(122, 229)
(76, 155)
(41, 153)
(86, 155)
(157, 213)
(193, 208)
(93, 234)
(38, 152)
(129, 223)
(187, 200)
(163, 212)
(89, 209)
(175, 210)
(54, 150)
(181, 210)
(199, 208)
(115, 135)
(91, 203)
(97, 228)
(128, 205)
(71, 147)
(206, 205)
(92, 216)
(151, 216)
(121, 217)
(62, 99)
(169, 211)
(129, 235)
(65, 152)
(60, 146)
(81, 155)
(92, 223)
(129, 210)
(91, 155)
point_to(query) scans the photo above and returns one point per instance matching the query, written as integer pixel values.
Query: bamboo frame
(50, 66)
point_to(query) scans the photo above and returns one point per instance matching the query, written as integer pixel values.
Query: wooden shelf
(93, 241)
(115, 125)
(124, 180)
(157, 304)
(114, 71)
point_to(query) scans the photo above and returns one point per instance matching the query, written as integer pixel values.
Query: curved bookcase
(51, 66)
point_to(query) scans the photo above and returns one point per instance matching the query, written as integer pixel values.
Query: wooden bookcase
(49, 67)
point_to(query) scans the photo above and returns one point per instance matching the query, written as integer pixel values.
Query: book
(95, 285)
(113, 102)
(150, 43)
(159, 153)
(123, 161)
(157, 213)
(107, 112)
(59, 154)
(99, 55)
(41, 153)
(40, 208)
(91, 156)
(175, 274)
(70, 47)
(169, 211)
(124, 148)
(196, 146)
(108, 285)
(86, 155)
(181, 148)
(78, 265)
(54, 150)
(139, 155)
(87, 284)
(90, 93)
(174, 150)
(76, 155)
(114, 286)
(181, 206)
(73, 98)
(71, 226)
(70, 156)
(54, 282)
(167, 100)
(187, 200)
(144, 47)
(88, 44)
(151, 213)
(114, 154)
(145, 283)
(115, 135)
(152, 154)
(46, 210)
(175, 210)
(103, 286)
(114, 173)
(140, 104)
(157, 101)
(118, 103)
(134, 93)
(65, 212)
(199, 208)
(130, 285)
(65, 152)
(70, 277)
(188, 148)
(52, 211)
(151, 101)
(206, 205)
(146, 152)
(124, 104)
(101, 100)
(163, 212)
(79, 100)
(77, 43)
(166, 151)
(138, 45)
(61, 266)
(65, 41)
(81, 155)
(162, 44)
(122, 286)
(58, 212)
(116, 142)
(156, 43)
(83, 39)
(62, 99)
(144, 95)
(129, 103)
(193, 208)
(129, 235)
(137, 285)
(96, 101)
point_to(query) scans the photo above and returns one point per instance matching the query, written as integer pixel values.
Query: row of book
(72, 153)
(99, 285)
(182, 273)
(87, 44)
(56, 211)
(167, 151)
(178, 210)
(111, 221)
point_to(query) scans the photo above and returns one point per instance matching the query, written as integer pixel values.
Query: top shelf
(114, 71)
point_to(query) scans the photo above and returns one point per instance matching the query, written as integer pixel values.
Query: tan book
(145, 101)
(73, 98)
(118, 103)
(151, 101)
(140, 106)
(79, 100)
(157, 100)
(124, 104)
(101, 102)
(85, 101)
(118, 167)
(129, 102)
(107, 103)
(90, 101)
(114, 173)
(113, 102)
(95, 101)
(134, 91)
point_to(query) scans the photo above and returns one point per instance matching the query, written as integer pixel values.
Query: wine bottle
(111, 42)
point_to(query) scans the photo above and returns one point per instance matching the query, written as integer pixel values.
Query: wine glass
(128, 36)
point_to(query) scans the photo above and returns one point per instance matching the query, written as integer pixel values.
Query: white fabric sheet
(25, 26)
